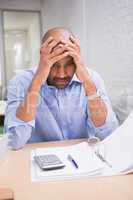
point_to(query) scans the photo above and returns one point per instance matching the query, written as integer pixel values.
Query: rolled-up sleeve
(19, 132)
(111, 122)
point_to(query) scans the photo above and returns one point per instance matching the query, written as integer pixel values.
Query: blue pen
(73, 161)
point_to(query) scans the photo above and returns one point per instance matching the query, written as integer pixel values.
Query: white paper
(118, 147)
(83, 155)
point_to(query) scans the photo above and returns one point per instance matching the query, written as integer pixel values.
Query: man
(61, 99)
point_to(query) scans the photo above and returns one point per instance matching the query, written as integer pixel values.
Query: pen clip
(102, 159)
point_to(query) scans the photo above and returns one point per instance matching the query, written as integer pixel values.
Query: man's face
(62, 72)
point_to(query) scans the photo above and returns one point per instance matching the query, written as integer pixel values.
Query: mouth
(61, 83)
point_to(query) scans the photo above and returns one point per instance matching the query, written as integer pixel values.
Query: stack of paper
(89, 164)
(118, 147)
(112, 156)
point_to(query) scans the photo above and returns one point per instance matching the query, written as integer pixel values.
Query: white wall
(34, 32)
(110, 47)
(21, 4)
(1, 55)
(110, 41)
(70, 13)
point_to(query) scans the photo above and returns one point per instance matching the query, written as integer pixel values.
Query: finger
(75, 56)
(45, 44)
(63, 41)
(51, 46)
(59, 57)
(72, 53)
(70, 43)
(74, 40)
(73, 47)
(50, 39)
(57, 51)
(57, 47)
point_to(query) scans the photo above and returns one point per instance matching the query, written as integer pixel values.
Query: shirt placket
(62, 113)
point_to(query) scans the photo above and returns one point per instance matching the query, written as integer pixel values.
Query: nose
(61, 72)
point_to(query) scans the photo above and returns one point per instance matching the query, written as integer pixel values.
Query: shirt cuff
(111, 123)
(18, 136)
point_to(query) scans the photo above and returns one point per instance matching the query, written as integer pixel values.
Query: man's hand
(50, 53)
(73, 48)
(98, 109)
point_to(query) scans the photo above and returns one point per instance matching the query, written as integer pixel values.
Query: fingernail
(60, 45)
(63, 41)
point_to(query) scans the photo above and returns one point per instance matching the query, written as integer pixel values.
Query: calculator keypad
(49, 161)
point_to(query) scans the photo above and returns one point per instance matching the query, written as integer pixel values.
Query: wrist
(94, 96)
(37, 81)
(83, 74)
(43, 69)
(89, 86)
(36, 84)
(41, 74)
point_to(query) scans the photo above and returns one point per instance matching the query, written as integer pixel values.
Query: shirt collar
(74, 79)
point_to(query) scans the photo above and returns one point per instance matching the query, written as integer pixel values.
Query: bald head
(58, 33)
(64, 67)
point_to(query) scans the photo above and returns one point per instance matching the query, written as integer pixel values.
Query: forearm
(27, 108)
(97, 107)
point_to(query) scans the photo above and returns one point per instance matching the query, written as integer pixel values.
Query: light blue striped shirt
(61, 113)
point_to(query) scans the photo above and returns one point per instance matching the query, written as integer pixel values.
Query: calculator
(49, 162)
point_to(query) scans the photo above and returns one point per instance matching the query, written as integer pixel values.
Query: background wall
(70, 13)
(110, 47)
(21, 5)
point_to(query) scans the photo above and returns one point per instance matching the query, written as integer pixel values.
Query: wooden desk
(15, 174)
(6, 194)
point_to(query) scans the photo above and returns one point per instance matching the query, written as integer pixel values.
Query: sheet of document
(118, 147)
(87, 161)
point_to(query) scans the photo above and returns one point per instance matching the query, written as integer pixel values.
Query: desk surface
(6, 194)
(15, 174)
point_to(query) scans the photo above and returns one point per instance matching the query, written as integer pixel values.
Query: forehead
(61, 35)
